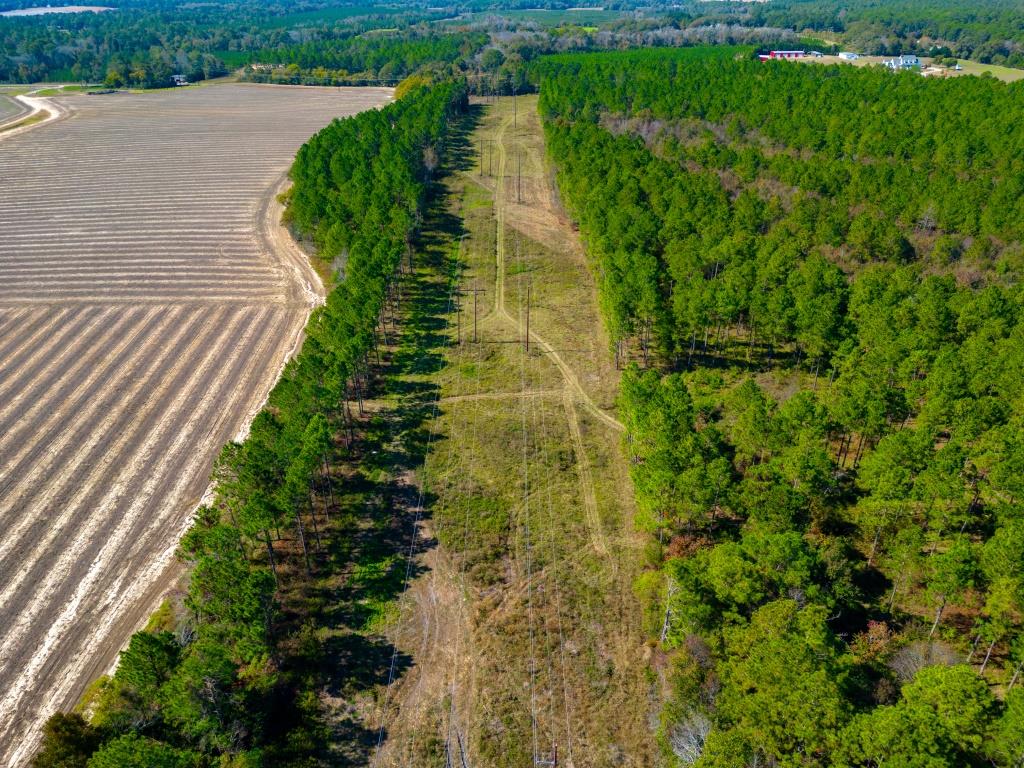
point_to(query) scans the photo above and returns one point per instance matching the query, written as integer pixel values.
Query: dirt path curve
(571, 379)
(49, 110)
(305, 289)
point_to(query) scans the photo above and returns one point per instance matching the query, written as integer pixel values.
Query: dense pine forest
(384, 56)
(812, 276)
(142, 44)
(226, 678)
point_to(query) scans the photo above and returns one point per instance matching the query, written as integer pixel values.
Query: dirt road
(146, 308)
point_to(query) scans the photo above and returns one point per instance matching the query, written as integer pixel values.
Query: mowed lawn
(144, 315)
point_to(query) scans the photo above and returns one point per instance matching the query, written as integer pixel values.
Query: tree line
(215, 687)
(383, 56)
(823, 416)
(142, 44)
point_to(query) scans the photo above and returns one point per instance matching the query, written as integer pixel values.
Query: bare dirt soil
(10, 109)
(146, 308)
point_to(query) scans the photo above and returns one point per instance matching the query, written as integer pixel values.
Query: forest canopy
(142, 44)
(812, 277)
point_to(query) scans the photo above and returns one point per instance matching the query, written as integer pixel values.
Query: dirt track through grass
(146, 308)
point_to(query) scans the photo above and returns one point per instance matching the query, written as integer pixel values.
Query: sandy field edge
(307, 292)
(278, 241)
(36, 105)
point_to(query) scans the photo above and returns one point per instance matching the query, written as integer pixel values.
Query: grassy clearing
(492, 365)
(543, 252)
(524, 629)
(47, 90)
(65, 89)
(1007, 74)
(543, 651)
(234, 59)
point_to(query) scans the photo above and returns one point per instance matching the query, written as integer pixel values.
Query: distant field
(1005, 74)
(45, 9)
(336, 13)
(143, 317)
(555, 18)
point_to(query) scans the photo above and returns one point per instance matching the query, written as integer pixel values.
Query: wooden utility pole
(551, 762)
(519, 177)
(476, 292)
(528, 318)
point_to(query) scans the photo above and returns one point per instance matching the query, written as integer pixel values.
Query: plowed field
(144, 315)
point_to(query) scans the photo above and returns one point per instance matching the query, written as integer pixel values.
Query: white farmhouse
(905, 61)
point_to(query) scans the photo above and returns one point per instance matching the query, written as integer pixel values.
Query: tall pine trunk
(938, 617)
(270, 553)
(312, 514)
(326, 474)
(988, 655)
(302, 541)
